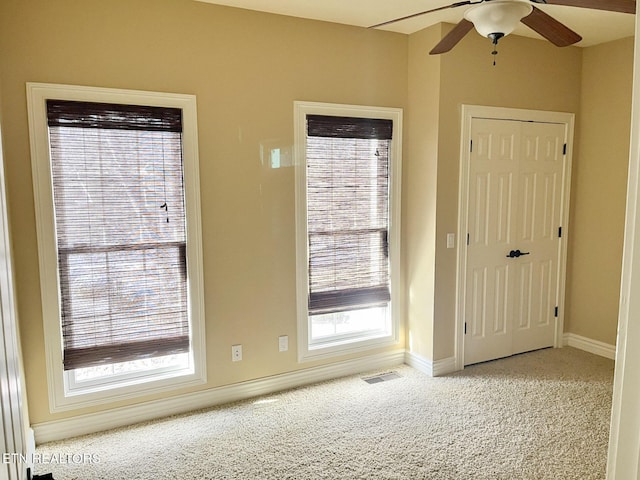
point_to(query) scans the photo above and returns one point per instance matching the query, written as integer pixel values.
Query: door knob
(516, 254)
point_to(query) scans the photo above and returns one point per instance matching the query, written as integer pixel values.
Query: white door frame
(623, 461)
(15, 440)
(469, 112)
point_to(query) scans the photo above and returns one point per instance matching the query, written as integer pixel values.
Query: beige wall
(419, 190)
(599, 192)
(246, 69)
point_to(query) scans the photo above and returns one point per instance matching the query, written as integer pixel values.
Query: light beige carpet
(541, 415)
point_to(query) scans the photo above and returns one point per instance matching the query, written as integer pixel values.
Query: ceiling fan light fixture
(497, 16)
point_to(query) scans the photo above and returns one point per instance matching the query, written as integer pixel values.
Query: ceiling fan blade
(453, 5)
(622, 6)
(550, 28)
(451, 39)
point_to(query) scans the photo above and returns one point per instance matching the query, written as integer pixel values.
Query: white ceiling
(595, 26)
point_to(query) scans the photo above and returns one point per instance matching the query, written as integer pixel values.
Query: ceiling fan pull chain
(494, 37)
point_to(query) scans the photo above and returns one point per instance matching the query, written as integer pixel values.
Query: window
(115, 176)
(348, 173)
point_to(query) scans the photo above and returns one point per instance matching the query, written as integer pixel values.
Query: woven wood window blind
(120, 226)
(347, 212)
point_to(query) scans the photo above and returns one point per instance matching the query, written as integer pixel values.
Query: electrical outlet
(283, 343)
(236, 353)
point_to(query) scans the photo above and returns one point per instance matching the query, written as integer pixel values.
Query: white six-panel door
(515, 195)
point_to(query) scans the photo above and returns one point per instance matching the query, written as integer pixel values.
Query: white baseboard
(430, 367)
(444, 366)
(117, 417)
(589, 345)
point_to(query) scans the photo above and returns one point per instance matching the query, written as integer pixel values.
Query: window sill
(135, 388)
(327, 350)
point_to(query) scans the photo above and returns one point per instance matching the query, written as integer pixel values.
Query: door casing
(468, 113)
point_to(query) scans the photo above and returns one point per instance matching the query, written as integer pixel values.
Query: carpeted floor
(541, 415)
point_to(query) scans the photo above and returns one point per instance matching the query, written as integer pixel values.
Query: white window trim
(348, 346)
(59, 400)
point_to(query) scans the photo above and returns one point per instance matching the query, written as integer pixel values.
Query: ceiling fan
(497, 18)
